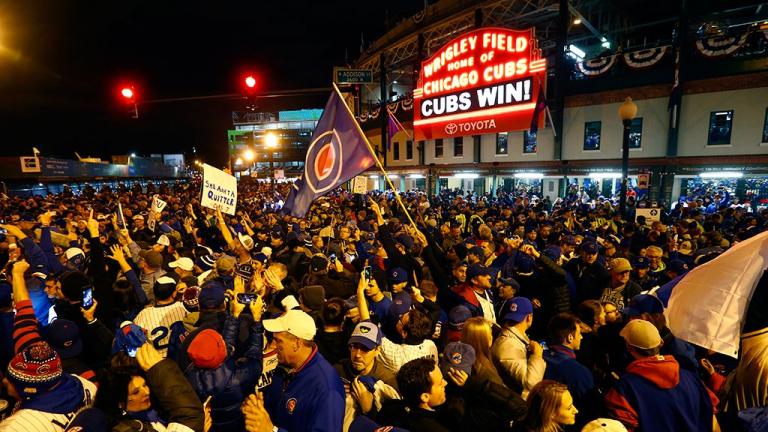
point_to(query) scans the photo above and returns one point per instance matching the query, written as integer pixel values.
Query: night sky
(62, 63)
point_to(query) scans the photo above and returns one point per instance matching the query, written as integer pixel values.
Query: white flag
(709, 304)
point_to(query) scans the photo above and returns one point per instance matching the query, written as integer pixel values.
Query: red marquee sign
(484, 81)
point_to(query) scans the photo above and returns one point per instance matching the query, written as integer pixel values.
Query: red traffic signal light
(250, 81)
(127, 92)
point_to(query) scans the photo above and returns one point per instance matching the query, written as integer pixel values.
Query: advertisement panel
(484, 81)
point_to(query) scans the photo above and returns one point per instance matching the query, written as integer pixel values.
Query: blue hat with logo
(641, 262)
(398, 275)
(589, 247)
(459, 356)
(401, 303)
(366, 334)
(517, 309)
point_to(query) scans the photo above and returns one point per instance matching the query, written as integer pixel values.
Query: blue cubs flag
(337, 152)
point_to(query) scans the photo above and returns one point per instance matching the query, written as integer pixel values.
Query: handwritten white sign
(219, 190)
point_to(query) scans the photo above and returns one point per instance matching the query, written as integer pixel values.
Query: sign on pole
(352, 76)
(360, 185)
(219, 190)
(651, 214)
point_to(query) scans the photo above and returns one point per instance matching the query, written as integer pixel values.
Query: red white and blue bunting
(645, 58)
(405, 104)
(596, 66)
(720, 45)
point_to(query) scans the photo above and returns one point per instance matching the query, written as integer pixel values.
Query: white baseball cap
(295, 322)
(183, 263)
(164, 240)
(604, 425)
(246, 241)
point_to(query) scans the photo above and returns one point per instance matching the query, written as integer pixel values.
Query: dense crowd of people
(484, 313)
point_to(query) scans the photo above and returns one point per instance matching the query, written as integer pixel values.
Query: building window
(529, 142)
(396, 151)
(765, 128)
(458, 147)
(409, 150)
(592, 136)
(501, 143)
(438, 148)
(720, 123)
(636, 133)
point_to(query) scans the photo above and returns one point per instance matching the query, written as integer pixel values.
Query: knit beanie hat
(35, 369)
(207, 350)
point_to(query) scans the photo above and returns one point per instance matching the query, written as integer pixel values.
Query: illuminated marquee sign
(484, 81)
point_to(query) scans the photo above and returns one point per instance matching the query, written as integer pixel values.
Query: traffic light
(128, 95)
(250, 82)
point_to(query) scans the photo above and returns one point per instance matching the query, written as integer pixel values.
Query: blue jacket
(308, 399)
(562, 366)
(36, 285)
(656, 395)
(231, 382)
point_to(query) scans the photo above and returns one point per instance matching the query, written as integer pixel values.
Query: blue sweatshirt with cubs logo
(310, 398)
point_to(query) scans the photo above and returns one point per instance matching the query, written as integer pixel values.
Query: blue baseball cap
(641, 262)
(589, 247)
(476, 269)
(459, 356)
(398, 275)
(643, 303)
(517, 309)
(366, 334)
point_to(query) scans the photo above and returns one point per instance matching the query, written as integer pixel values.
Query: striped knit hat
(35, 369)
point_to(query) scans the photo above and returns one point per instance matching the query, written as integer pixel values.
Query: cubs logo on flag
(337, 152)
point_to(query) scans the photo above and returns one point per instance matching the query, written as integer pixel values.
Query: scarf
(66, 397)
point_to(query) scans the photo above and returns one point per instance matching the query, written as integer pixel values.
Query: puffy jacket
(232, 381)
(656, 395)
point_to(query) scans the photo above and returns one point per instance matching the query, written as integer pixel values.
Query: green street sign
(352, 76)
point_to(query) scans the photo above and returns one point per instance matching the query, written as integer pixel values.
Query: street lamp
(627, 112)
(270, 141)
(248, 155)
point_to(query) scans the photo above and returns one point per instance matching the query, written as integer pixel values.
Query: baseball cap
(207, 350)
(225, 264)
(620, 265)
(604, 425)
(211, 296)
(478, 251)
(678, 266)
(261, 257)
(73, 252)
(138, 216)
(164, 287)
(552, 252)
(458, 316)
(509, 281)
(153, 258)
(459, 356)
(475, 270)
(318, 263)
(246, 241)
(685, 248)
(163, 240)
(641, 334)
(569, 240)
(642, 262)
(366, 334)
(517, 309)
(401, 303)
(397, 275)
(295, 322)
(129, 335)
(643, 303)
(183, 263)
(64, 337)
(589, 247)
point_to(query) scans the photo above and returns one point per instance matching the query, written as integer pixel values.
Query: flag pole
(373, 153)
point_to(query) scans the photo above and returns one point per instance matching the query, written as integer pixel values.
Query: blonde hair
(543, 402)
(477, 333)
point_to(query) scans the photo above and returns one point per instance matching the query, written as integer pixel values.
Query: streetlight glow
(238, 161)
(270, 139)
(248, 155)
